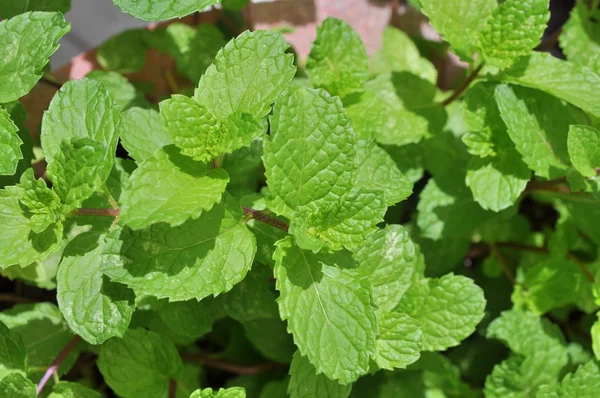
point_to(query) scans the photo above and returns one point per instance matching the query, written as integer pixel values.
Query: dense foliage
(338, 227)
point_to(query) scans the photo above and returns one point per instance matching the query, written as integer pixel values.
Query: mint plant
(338, 226)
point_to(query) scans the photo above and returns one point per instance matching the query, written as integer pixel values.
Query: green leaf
(399, 341)
(13, 357)
(171, 188)
(377, 171)
(448, 309)
(10, 145)
(247, 75)
(139, 364)
(583, 383)
(310, 156)
(234, 392)
(388, 260)
(67, 389)
(538, 124)
(81, 109)
(18, 115)
(580, 38)
(79, 170)
(124, 52)
(15, 385)
(11, 8)
(95, 308)
(156, 10)
(368, 114)
(573, 83)
(121, 89)
(44, 334)
(584, 149)
(514, 29)
(187, 320)
(338, 60)
(306, 383)
(459, 21)
(235, 5)
(142, 133)
(26, 43)
(595, 334)
(321, 292)
(497, 183)
(270, 337)
(507, 380)
(198, 258)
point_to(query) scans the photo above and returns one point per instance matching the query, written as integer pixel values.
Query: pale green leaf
(139, 364)
(171, 188)
(68, 389)
(306, 383)
(448, 309)
(319, 292)
(514, 29)
(156, 10)
(583, 383)
(507, 380)
(368, 114)
(11, 8)
(15, 385)
(198, 258)
(234, 392)
(10, 145)
(122, 90)
(580, 38)
(26, 43)
(142, 133)
(338, 60)
(247, 75)
(399, 341)
(13, 357)
(124, 52)
(584, 149)
(94, 307)
(388, 258)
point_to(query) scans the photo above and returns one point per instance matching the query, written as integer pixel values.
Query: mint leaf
(247, 75)
(95, 308)
(171, 188)
(67, 389)
(124, 52)
(13, 357)
(43, 205)
(497, 183)
(574, 83)
(584, 149)
(156, 10)
(538, 125)
(142, 133)
(18, 115)
(583, 383)
(388, 258)
(11, 8)
(514, 29)
(459, 21)
(448, 309)
(15, 385)
(198, 258)
(399, 341)
(322, 292)
(270, 337)
(10, 145)
(306, 383)
(234, 392)
(122, 90)
(310, 156)
(368, 114)
(338, 60)
(580, 37)
(81, 109)
(26, 43)
(141, 362)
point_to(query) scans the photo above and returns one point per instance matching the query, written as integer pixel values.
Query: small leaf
(15, 385)
(234, 392)
(399, 341)
(122, 90)
(10, 145)
(583, 383)
(584, 149)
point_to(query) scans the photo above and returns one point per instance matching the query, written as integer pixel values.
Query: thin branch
(505, 268)
(53, 368)
(265, 218)
(10, 298)
(172, 388)
(51, 82)
(464, 86)
(230, 367)
(98, 212)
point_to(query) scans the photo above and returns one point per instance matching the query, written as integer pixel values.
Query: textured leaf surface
(26, 43)
(142, 133)
(198, 258)
(388, 259)
(13, 357)
(171, 188)
(338, 60)
(514, 29)
(125, 94)
(580, 38)
(247, 75)
(583, 383)
(448, 309)
(140, 363)
(15, 385)
(156, 10)
(67, 389)
(94, 307)
(574, 83)
(10, 145)
(81, 109)
(124, 52)
(11, 8)
(584, 149)
(399, 341)
(234, 392)
(310, 156)
(306, 383)
(328, 309)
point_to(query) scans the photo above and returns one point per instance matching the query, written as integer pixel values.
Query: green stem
(98, 212)
(464, 86)
(265, 218)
